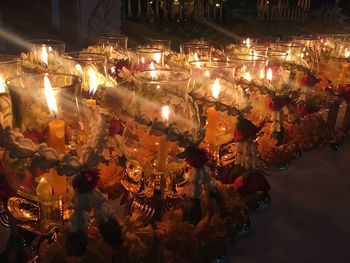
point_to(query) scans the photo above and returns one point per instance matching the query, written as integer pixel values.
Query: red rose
(345, 92)
(277, 102)
(85, 182)
(197, 158)
(239, 182)
(306, 108)
(309, 80)
(255, 182)
(245, 129)
(116, 127)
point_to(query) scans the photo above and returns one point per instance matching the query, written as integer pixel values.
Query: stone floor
(309, 220)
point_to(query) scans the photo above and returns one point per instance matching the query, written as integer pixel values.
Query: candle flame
(110, 49)
(347, 53)
(247, 76)
(269, 74)
(166, 112)
(50, 97)
(196, 59)
(262, 74)
(44, 56)
(2, 85)
(247, 42)
(142, 60)
(42, 179)
(157, 57)
(216, 89)
(79, 69)
(152, 73)
(93, 81)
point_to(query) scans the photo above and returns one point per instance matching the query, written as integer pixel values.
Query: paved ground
(309, 220)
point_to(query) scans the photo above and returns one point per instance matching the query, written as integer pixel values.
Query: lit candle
(44, 189)
(93, 87)
(196, 59)
(2, 85)
(269, 74)
(247, 76)
(153, 72)
(345, 68)
(56, 137)
(163, 145)
(44, 57)
(212, 115)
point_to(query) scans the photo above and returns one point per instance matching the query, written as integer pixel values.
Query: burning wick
(247, 76)
(50, 97)
(166, 112)
(2, 85)
(93, 86)
(347, 53)
(153, 72)
(216, 89)
(196, 59)
(212, 115)
(44, 56)
(269, 74)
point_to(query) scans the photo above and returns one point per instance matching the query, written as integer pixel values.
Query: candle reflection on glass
(163, 145)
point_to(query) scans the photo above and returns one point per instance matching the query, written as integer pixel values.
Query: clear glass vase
(46, 108)
(161, 96)
(91, 67)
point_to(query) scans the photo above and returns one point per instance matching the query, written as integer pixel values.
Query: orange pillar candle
(91, 102)
(56, 138)
(212, 115)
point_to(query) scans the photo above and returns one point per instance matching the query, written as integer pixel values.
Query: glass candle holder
(46, 109)
(161, 95)
(248, 67)
(148, 56)
(195, 52)
(91, 67)
(267, 40)
(45, 54)
(248, 42)
(113, 40)
(215, 81)
(9, 66)
(162, 44)
(114, 46)
(338, 64)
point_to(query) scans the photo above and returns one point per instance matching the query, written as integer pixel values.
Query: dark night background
(32, 19)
